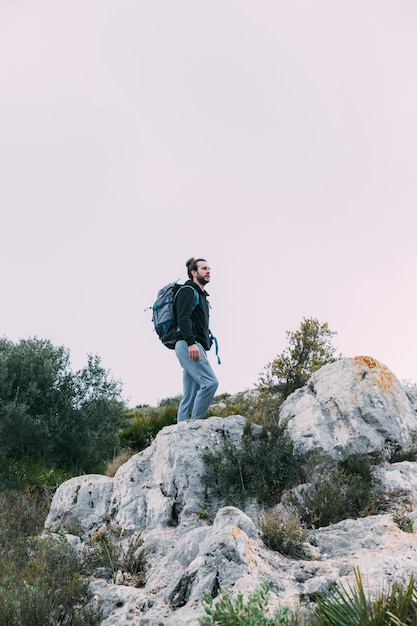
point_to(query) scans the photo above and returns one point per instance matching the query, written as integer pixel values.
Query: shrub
(139, 433)
(262, 467)
(117, 462)
(229, 611)
(404, 523)
(18, 474)
(258, 407)
(41, 584)
(108, 553)
(341, 493)
(310, 347)
(349, 606)
(283, 534)
(60, 418)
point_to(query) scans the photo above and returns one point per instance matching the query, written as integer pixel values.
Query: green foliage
(350, 606)
(283, 534)
(229, 611)
(404, 523)
(40, 581)
(19, 473)
(405, 455)
(257, 407)
(143, 426)
(106, 551)
(203, 512)
(310, 347)
(48, 413)
(262, 467)
(341, 493)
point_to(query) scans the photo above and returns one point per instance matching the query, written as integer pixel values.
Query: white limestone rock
(162, 485)
(352, 406)
(397, 484)
(81, 504)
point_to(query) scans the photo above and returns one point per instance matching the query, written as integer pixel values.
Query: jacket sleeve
(184, 308)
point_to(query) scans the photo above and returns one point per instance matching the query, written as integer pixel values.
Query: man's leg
(208, 386)
(190, 387)
(203, 377)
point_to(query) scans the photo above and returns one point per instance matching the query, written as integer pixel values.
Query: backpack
(163, 313)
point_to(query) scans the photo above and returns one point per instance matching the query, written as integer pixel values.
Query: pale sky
(277, 139)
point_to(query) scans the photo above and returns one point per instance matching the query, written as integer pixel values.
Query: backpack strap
(196, 296)
(216, 346)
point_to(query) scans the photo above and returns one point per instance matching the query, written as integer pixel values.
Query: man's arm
(184, 306)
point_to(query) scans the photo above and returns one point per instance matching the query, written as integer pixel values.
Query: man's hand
(194, 352)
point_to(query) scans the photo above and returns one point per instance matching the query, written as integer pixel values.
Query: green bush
(283, 534)
(257, 406)
(40, 581)
(404, 523)
(262, 467)
(310, 347)
(142, 427)
(229, 611)
(106, 552)
(63, 419)
(17, 474)
(350, 606)
(346, 491)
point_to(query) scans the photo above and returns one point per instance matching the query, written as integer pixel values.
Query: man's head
(198, 271)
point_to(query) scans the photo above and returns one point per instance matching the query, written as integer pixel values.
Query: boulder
(352, 406)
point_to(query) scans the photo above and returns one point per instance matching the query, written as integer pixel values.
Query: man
(194, 339)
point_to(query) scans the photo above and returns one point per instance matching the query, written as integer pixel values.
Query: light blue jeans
(200, 383)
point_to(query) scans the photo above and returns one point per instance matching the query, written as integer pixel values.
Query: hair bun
(190, 262)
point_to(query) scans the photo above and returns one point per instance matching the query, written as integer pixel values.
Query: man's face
(202, 274)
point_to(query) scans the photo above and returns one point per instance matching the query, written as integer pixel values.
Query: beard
(202, 281)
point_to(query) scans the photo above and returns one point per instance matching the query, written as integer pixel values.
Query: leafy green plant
(203, 512)
(102, 539)
(107, 551)
(405, 455)
(229, 611)
(404, 523)
(41, 580)
(339, 493)
(258, 407)
(283, 534)
(25, 472)
(62, 419)
(350, 605)
(143, 426)
(262, 467)
(310, 347)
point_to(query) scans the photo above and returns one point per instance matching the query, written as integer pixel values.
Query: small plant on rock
(283, 534)
(229, 611)
(350, 606)
(144, 425)
(109, 555)
(262, 467)
(345, 491)
(404, 523)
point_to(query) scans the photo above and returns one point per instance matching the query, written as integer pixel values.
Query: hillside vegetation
(56, 423)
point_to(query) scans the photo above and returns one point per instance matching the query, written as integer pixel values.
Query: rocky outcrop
(349, 407)
(353, 406)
